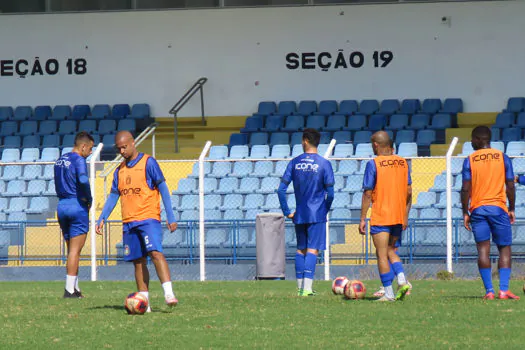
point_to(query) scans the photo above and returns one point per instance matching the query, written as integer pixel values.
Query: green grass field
(265, 314)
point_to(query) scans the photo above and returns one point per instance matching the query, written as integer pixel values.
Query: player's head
(481, 136)
(381, 143)
(311, 139)
(125, 144)
(84, 144)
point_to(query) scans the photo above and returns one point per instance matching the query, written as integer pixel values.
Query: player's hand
(100, 227)
(512, 217)
(362, 227)
(290, 216)
(466, 222)
(172, 227)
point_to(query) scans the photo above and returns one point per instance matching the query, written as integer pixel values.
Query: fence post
(327, 250)
(92, 161)
(202, 260)
(449, 203)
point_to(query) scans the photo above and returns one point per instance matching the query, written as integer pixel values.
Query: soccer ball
(136, 304)
(355, 290)
(338, 285)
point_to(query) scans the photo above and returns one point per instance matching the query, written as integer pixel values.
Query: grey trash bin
(270, 246)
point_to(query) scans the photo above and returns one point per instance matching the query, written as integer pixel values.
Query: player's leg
(396, 265)
(316, 240)
(380, 237)
(79, 227)
(76, 243)
(134, 252)
(65, 227)
(300, 254)
(142, 275)
(481, 232)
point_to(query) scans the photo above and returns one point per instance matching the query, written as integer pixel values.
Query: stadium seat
(293, 123)
(50, 189)
(120, 111)
(442, 203)
(340, 214)
(28, 127)
(322, 148)
(23, 113)
(241, 169)
(232, 201)
(297, 150)
(67, 127)
(253, 201)
(344, 150)
(356, 201)
(348, 107)
(407, 149)
(342, 137)
(17, 204)
(279, 138)
(339, 182)
(271, 202)
(212, 202)
(430, 213)
(316, 121)
(273, 123)
(296, 138)
(440, 183)
(69, 141)
(347, 167)
(61, 112)
(511, 134)
(101, 111)
(425, 200)
(50, 154)
(47, 127)
(239, 152)
(496, 134)
(335, 123)
(456, 165)
(467, 149)
(35, 188)
(31, 141)
(30, 172)
(48, 172)
(10, 155)
(397, 122)
(17, 217)
(356, 122)
(12, 172)
(259, 152)
(127, 125)
(107, 126)
(499, 145)
(218, 152)
(377, 122)
(238, 139)
(2, 186)
(520, 121)
(248, 185)
(419, 121)
(15, 188)
(518, 165)
(280, 151)
(515, 104)
(504, 120)
(189, 202)
(452, 106)
(6, 113)
(389, 107)
(306, 108)
(362, 137)
(221, 169)
(410, 106)
(3, 205)
(189, 215)
(286, 108)
(89, 126)
(441, 121)
(12, 142)
(327, 107)
(364, 150)
(515, 148)
(354, 183)
(431, 106)
(186, 186)
(80, 112)
(66, 150)
(266, 108)
(252, 124)
(263, 169)
(42, 113)
(405, 136)
(140, 110)
(8, 128)
(30, 155)
(426, 137)
(368, 107)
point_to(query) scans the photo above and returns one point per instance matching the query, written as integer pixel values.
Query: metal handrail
(196, 87)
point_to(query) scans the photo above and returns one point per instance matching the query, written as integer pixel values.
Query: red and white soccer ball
(136, 304)
(355, 290)
(338, 285)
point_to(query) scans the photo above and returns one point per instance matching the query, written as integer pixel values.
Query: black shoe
(68, 295)
(79, 294)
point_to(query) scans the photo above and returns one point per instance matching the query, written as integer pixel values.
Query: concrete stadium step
(441, 150)
(463, 134)
(471, 120)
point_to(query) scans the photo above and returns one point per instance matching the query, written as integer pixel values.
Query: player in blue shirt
(313, 182)
(74, 193)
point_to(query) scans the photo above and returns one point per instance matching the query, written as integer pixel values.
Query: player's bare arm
(465, 198)
(511, 196)
(365, 204)
(409, 205)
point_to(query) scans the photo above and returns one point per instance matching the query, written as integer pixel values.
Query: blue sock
(392, 268)
(299, 266)
(486, 276)
(387, 278)
(504, 278)
(397, 268)
(309, 265)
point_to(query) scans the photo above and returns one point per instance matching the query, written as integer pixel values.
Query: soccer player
(313, 182)
(488, 181)
(74, 194)
(387, 186)
(138, 181)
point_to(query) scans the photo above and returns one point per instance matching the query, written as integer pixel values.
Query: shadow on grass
(121, 309)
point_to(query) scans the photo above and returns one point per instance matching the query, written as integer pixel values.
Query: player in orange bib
(488, 181)
(139, 183)
(387, 186)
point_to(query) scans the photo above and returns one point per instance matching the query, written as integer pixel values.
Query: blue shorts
(393, 230)
(311, 236)
(73, 218)
(140, 238)
(496, 221)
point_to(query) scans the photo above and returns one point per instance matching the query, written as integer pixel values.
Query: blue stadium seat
(101, 111)
(306, 108)
(441, 121)
(12, 142)
(3, 206)
(431, 106)
(515, 148)
(239, 152)
(17, 204)
(31, 141)
(520, 121)
(286, 108)
(69, 140)
(342, 137)
(364, 150)
(297, 150)
(248, 185)
(66, 150)
(233, 214)
(344, 150)
(322, 148)
(356, 122)
(456, 165)
(42, 113)
(2, 186)
(504, 120)
(253, 201)
(362, 137)
(67, 127)
(368, 107)
(49, 189)
(511, 134)
(452, 106)
(120, 111)
(515, 104)
(335, 123)
(425, 200)
(407, 149)
(80, 112)
(397, 122)
(61, 112)
(348, 107)
(48, 172)
(405, 136)
(232, 201)
(293, 123)
(272, 201)
(50, 141)
(189, 202)
(17, 217)
(326, 137)
(280, 151)
(442, 203)
(327, 107)
(499, 145)
(263, 169)
(28, 127)
(186, 186)
(279, 138)
(496, 134)
(518, 165)
(296, 138)
(260, 152)
(210, 185)
(127, 125)
(316, 121)
(38, 205)
(12, 172)
(8, 128)
(221, 169)
(23, 113)
(354, 183)
(341, 214)
(238, 139)
(440, 183)
(389, 107)
(241, 169)
(252, 124)
(30, 155)
(218, 152)
(426, 137)
(47, 127)
(339, 182)
(419, 121)
(466, 149)
(15, 188)
(50, 154)
(266, 108)
(140, 110)
(89, 126)
(6, 113)
(347, 167)
(356, 201)
(377, 122)
(430, 213)
(273, 123)
(10, 155)
(106, 126)
(189, 215)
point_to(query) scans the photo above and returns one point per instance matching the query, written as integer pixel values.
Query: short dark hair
(83, 137)
(312, 136)
(482, 132)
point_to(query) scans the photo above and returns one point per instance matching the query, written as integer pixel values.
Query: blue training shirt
(311, 175)
(154, 175)
(370, 177)
(71, 178)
